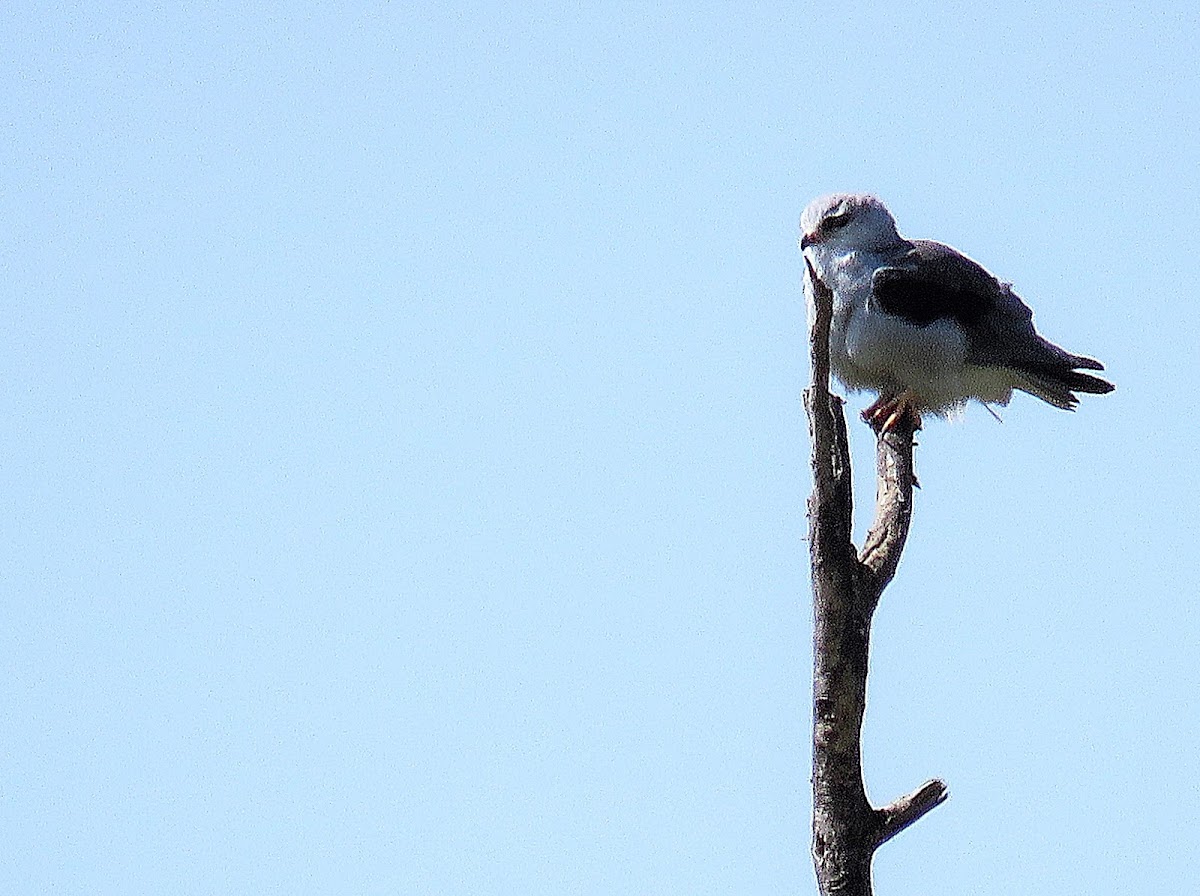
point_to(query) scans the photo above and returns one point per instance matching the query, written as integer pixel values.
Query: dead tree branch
(847, 586)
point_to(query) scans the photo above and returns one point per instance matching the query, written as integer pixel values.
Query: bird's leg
(876, 407)
(906, 406)
(885, 413)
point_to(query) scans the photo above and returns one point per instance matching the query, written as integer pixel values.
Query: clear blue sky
(404, 464)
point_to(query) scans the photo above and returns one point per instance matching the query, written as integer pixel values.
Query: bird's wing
(932, 281)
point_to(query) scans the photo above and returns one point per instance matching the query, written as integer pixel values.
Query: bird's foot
(887, 412)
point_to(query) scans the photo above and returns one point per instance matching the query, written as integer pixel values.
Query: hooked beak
(807, 240)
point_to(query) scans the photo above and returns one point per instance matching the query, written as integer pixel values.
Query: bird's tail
(1056, 383)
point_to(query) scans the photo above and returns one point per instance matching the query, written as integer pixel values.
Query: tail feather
(1082, 382)
(1056, 384)
(1086, 363)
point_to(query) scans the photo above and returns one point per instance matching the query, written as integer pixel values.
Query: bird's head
(847, 222)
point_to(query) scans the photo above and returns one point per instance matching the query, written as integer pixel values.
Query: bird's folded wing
(931, 281)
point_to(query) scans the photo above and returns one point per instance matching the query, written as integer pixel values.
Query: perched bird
(923, 325)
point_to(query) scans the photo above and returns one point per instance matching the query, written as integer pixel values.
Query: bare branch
(843, 821)
(832, 496)
(908, 809)
(822, 319)
(893, 504)
(846, 590)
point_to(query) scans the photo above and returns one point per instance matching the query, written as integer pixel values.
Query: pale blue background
(403, 463)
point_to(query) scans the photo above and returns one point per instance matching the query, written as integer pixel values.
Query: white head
(847, 222)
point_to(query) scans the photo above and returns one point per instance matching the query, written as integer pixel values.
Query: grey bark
(847, 585)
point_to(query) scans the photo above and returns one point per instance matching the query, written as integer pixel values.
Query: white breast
(869, 349)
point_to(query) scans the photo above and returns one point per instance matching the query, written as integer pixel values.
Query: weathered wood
(847, 586)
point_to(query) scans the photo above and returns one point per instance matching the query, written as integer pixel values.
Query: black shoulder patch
(931, 282)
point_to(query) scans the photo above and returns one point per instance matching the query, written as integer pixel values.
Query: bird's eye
(836, 222)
